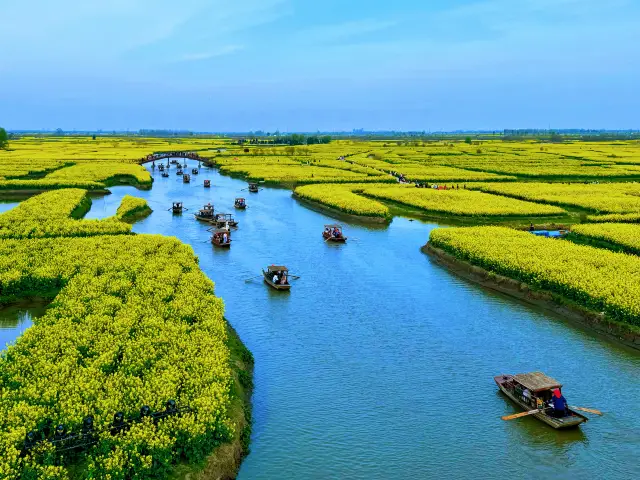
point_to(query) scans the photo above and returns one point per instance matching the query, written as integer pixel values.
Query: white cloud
(344, 30)
(225, 50)
(76, 35)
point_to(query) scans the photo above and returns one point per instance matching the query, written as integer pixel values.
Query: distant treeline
(293, 139)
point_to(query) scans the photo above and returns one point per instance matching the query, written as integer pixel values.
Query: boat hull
(572, 421)
(222, 245)
(332, 239)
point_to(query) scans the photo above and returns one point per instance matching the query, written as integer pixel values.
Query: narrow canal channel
(379, 363)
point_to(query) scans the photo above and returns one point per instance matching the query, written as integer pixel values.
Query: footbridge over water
(153, 157)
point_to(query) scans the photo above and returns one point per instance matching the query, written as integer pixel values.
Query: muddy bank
(558, 304)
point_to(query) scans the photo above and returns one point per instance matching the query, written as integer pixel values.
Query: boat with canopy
(533, 393)
(277, 277)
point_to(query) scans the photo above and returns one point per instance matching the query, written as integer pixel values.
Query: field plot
(606, 198)
(619, 234)
(598, 279)
(134, 323)
(344, 198)
(461, 202)
(55, 213)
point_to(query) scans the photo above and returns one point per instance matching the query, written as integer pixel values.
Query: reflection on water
(16, 318)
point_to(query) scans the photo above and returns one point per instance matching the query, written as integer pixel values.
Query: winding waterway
(379, 363)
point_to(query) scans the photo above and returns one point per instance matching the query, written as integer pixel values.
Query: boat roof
(333, 226)
(220, 230)
(276, 268)
(240, 198)
(536, 381)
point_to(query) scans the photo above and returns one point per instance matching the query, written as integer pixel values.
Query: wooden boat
(177, 207)
(207, 184)
(179, 171)
(540, 390)
(174, 161)
(253, 188)
(240, 203)
(161, 167)
(281, 272)
(186, 178)
(330, 236)
(205, 214)
(165, 174)
(218, 237)
(194, 171)
(223, 219)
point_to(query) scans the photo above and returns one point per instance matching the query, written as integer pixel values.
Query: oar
(252, 278)
(519, 415)
(590, 410)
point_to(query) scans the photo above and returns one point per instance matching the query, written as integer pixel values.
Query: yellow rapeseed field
(598, 279)
(460, 202)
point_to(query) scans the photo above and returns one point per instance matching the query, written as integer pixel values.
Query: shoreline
(334, 212)
(224, 462)
(137, 215)
(574, 313)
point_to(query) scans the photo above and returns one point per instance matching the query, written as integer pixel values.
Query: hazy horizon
(290, 65)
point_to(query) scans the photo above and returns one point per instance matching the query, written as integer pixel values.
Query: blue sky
(293, 65)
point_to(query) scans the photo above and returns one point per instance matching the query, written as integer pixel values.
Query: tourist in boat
(283, 279)
(224, 238)
(559, 404)
(275, 278)
(526, 396)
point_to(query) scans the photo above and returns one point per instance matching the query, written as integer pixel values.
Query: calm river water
(379, 363)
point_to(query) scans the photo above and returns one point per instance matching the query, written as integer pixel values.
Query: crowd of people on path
(402, 179)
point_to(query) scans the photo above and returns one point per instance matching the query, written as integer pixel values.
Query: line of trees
(293, 139)
(4, 138)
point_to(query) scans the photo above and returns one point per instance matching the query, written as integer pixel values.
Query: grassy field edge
(224, 463)
(597, 322)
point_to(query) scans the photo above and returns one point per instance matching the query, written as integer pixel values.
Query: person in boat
(526, 396)
(559, 403)
(275, 278)
(531, 228)
(224, 238)
(283, 279)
